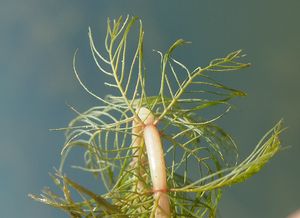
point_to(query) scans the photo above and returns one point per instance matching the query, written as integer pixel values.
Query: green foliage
(201, 157)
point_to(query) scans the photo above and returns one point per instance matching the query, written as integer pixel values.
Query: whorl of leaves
(201, 157)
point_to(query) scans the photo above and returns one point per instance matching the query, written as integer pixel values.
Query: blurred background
(37, 43)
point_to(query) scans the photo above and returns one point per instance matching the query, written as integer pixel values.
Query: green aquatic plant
(155, 155)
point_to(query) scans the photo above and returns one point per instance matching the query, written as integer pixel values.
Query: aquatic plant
(157, 156)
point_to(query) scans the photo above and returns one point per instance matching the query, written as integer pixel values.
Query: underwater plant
(157, 156)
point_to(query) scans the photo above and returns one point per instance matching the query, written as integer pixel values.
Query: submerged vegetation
(157, 156)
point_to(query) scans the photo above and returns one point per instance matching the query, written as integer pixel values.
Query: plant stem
(157, 170)
(154, 149)
(138, 151)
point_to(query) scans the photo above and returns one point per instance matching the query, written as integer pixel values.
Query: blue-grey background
(37, 43)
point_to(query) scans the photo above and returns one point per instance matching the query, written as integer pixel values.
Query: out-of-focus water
(37, 43)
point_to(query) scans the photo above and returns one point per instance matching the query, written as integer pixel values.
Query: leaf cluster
(201, 156)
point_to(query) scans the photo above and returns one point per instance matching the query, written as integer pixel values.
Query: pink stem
(157, 170)
(157, 164)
